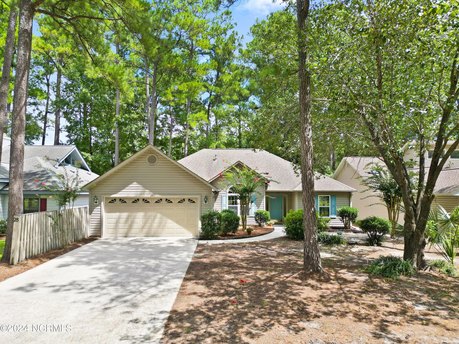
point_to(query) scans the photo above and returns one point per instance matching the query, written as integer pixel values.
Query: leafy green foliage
(375, 228)
(294, 225)
(330, 239)
(444, 267)
(262, 217)
(3, 227)
(348, 215)
(322, 223)
(211, 224)
(229, 221)
(382, 182)
(391, 267)
(2, 246)
(244, 182)
(442, 230)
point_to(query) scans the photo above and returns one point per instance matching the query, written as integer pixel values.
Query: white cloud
(261, 7)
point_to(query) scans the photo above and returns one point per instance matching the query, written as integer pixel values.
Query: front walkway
(278, 232)
(108, 291)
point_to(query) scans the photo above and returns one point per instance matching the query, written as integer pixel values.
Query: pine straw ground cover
(257, 293)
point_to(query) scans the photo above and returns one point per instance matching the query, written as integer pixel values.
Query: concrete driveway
(108, 291)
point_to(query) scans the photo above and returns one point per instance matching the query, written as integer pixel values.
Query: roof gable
(209, 163)
(139, 154)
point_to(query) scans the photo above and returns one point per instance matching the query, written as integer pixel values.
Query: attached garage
(149, 195)
(151, 216)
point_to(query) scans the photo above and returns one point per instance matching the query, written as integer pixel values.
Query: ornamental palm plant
(244, 182)
(443, 231)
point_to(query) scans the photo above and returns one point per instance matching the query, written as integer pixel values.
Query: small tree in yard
(376, 228)
(443, 232)
(348, 215)
(382, 182)
(244, 182)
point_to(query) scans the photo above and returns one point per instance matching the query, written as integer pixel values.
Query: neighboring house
(42, 167)
(353, 171)
(150, 194)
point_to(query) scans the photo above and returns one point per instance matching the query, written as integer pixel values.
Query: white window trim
(238, 201)
(329, 204)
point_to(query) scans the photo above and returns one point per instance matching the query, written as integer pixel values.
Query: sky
(246, 13)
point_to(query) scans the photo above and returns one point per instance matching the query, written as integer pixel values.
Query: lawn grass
(2, 246)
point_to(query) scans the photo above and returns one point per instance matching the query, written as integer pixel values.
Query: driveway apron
(108, 291)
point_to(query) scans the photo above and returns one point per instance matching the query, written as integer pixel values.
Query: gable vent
(151, 159)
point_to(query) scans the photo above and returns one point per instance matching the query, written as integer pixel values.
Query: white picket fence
(38, 233)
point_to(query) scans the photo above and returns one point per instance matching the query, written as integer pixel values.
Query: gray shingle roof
(363, 164)
(209, 163)
(40, 166)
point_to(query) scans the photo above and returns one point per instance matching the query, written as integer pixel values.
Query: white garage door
(151, 217)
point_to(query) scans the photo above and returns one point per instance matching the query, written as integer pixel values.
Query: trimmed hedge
(376, 228)
(294, 224)
(211, 224)
(229, 221)
(348, 215)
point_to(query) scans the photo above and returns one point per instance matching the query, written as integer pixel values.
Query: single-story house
(354, 170)
(150, 194)
(45, 169)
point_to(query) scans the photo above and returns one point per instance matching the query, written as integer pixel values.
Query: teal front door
(276, 207)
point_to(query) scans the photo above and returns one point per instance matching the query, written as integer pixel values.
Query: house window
(233, 202)
(324, 206)
(31, 205)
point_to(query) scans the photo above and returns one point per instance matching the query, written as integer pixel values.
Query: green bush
(262, 217)
(210, 224)
(444, 267)
(322, 223)
(376, 228)
(348, 215)
(3, 225)
(331, 239)
(391, 267)
(229, 221)
(294, 224)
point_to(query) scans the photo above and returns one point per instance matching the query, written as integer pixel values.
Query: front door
(276, 207)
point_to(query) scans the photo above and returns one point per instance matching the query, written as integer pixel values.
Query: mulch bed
(258, 293)
(240, 234)
(7, 271)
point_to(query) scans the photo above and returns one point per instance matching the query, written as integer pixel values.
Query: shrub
(3, 225)
(391, 267)
(210, 224)
(262, 217)
(444, 267)
(331, 239)
(229, 221)
(322, 223)
(376, 228)
(294, 225)
(348, 215)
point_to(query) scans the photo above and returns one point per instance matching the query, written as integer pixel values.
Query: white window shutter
(224, 197)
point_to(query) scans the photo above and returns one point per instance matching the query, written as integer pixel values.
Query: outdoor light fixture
(205, 199)
(95, 200)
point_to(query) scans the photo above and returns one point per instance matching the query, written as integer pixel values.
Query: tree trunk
(153, 106)
(16, 173)
(171, 131)
(187, 127)
(6, 70)
(57, 112)
(147, 100)
(45, 116)
(312, 262)
(117, 129)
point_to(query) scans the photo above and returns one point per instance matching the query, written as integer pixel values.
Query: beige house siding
(366, 201)
(447, 202)
(139, 178)
(218, 183)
